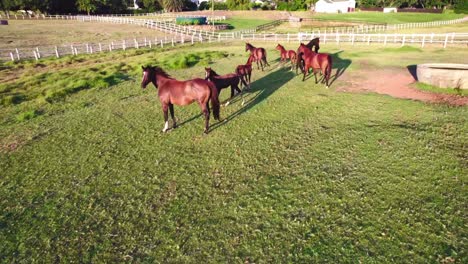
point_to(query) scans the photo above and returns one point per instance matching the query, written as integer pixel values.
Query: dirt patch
(394, 82)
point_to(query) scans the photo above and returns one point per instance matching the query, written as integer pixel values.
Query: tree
(87, 5)
(7, 5)
(173, 5)
(152, 5)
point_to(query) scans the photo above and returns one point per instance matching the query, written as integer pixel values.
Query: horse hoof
(243, 102)
(226, 104)
(326, 86)
(205, 132)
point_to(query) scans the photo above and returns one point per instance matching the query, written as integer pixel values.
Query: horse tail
(265, 57)
(214, 100)
(329, 69)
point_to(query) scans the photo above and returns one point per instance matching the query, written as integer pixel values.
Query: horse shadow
(262, 88)
(340, 64)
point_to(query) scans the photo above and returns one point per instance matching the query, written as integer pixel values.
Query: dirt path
(393, 82)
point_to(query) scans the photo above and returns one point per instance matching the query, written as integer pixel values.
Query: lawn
(299, 174)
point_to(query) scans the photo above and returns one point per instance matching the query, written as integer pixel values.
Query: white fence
(182, 34)
(422, 40)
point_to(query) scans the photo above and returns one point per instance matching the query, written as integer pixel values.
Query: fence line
(422, 40)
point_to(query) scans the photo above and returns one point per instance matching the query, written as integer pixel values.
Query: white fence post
(17, 54)
(56, 52)
(446, 39)
(12, 57)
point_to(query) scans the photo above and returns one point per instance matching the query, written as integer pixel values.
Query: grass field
(389, 18)
(299, 174)
(39, 33)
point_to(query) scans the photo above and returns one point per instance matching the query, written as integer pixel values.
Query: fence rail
(422, 40)
(181, 34)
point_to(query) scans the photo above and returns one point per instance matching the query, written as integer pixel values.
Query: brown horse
(173, 92)
(290, 54)
(259, 54)
(314, 43)
(223, 81)
(317, 61)
(245, 70)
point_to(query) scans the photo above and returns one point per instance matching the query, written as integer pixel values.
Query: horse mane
(250, 45)
(160, 71)
(212, 72)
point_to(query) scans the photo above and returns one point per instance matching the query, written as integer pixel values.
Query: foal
(223, 81)
(290, 54)
(258, 53)
(245, 70)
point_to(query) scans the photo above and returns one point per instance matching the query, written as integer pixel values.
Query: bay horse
(259, 54)
(316, 61)
(174, 92)
(290, 54)
(314, 43)
(223, 81)
(245, 70)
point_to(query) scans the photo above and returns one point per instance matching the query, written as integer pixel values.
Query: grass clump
(403, 49)
(12, 99)
(187, 60)
(435, 89)
(24, 116)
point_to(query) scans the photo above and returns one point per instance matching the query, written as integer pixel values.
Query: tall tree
(173, 5)
(87, 5)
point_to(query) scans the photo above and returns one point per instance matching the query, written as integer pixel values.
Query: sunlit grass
(299, 174)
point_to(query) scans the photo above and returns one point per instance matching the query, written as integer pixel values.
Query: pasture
(59, 32)
(300, 173)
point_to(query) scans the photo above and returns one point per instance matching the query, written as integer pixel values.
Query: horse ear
(143, 67)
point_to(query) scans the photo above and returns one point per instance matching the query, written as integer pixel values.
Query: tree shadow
(262, 88)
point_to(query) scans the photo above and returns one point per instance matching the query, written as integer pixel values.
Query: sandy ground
(394, 82)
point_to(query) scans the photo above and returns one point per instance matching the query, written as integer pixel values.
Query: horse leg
(206, 112)
(171, 110)
(166, 123)
(306, 70)
(315, 75)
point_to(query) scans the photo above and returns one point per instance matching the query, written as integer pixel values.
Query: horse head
(248, 46)
(208, 72)
(148, 76)
(279, 47)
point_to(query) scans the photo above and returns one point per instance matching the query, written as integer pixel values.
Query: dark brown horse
(287, 54)
(223, 81)
(317, 61)
(259, 55)
(173, 92)
(314, 43)
(245, 70)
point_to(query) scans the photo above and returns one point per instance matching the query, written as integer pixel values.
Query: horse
(245, 70)
(314, 43)
(259, 54)
(172, 91)
(316, 61)
(290, 54)
(223, 81)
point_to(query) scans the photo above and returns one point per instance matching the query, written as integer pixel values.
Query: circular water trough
(444, 75)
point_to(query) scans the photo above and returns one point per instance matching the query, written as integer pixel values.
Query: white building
(335, 6)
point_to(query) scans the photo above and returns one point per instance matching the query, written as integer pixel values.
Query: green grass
(389, 18)
(299, 174)
(434, 89)
(239, 23)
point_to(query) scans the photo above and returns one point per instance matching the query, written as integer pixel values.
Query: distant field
(37, 33)
(390, 18)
